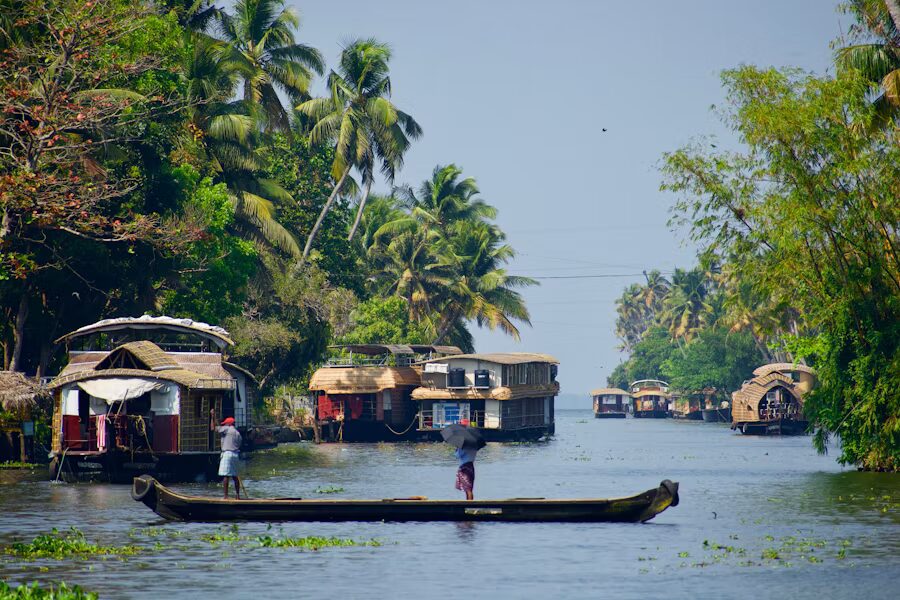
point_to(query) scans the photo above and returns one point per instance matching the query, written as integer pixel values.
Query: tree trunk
(19, 332)
(893, 7)
(325, 209)
(359, 211)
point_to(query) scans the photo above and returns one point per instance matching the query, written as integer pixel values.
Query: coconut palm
(686, 307)
(361, 122)
(444, 200)
(481, 290)
(877, 57)
(227, 130)
(265, 53)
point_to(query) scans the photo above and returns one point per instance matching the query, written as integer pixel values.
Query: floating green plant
(230, 535)
(331, 489)
(65, 545)
(14, 464)
(35, 592)
(312, 542)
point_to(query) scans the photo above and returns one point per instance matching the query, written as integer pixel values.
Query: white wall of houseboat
(439, 380)
(165, 401)
(492, 414)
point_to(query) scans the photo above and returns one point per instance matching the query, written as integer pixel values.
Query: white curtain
(114, 389)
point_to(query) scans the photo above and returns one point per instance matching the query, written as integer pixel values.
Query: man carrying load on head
(230, 439)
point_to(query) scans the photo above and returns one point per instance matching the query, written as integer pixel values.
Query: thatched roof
(362, 380)
(609, 392)
(18, 392)
(497, 393)
(501, 358)
(216, 334)
(745, 401)
(147, 360)
(782, 368)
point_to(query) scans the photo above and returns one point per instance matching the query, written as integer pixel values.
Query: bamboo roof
(426, 348)
(216, 334)
(17, 391)
(368, 380)
(190, 379)
(147, 360)
(782, 368)
(375, 349)
(745, 401)
(501, 358)
(609, 392)
(496, 393)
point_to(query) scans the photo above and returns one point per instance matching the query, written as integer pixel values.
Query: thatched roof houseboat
(772, 402)
(510, 396)
(610, 403)
(363, 393)
(136, 395)
(651, 398)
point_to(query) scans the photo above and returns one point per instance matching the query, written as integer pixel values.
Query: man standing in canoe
(230, 439)
(468, 442)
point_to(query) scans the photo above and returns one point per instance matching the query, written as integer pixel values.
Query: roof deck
(385, 355)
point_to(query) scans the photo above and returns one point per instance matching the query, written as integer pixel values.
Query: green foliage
(312, 542)
(61, 545)
(808, 216)
(387, 321)
(650, 354)
(36, 592)
(715, 359)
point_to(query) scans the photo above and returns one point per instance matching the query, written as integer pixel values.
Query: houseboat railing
(476, 419)
(356, 360)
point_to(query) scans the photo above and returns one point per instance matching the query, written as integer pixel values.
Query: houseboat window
(84, 404)
(387, 400)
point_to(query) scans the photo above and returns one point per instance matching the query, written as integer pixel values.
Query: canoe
(179, 507)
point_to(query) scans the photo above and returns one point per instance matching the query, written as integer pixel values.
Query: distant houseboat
(772, 402)
(651, 399)
(610, 403)
(362, 394)
(687, 407)
(135, 398)
(509, 396)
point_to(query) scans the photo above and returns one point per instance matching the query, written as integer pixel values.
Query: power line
(604, 276)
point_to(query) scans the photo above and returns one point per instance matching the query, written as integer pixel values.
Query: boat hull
(651, 414)
(717, 415)
(691, 416)
(123, 467)
(782, 427)
(609, 415)
(178, 507)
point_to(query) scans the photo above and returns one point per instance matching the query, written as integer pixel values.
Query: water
(753, 496)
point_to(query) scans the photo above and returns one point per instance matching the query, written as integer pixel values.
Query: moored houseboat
(135, 398)
(687, 407)
(610, 403)
(363, 392)
(651, 399)
(508, 396)
(772, 402)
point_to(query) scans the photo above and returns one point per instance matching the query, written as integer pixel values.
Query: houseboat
(610, 403)
(135, 398)
(651, 399)
(508, 396)
(687, 407)
(363, 392)
(772, 402)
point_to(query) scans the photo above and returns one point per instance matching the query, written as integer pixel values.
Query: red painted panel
(165, 433)
(72, 437)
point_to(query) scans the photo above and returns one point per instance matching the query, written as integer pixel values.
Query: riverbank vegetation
(170, 157)
(798, 232)
(34, 591)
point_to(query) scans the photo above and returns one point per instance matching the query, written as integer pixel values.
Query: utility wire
(605, 276)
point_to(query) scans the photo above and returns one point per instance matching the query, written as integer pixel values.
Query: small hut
(772, 402)
(18, 400)
(610, 403)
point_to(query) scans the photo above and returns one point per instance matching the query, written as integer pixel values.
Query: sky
(562, 111)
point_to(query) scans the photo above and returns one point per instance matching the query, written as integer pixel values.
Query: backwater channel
(759, 517)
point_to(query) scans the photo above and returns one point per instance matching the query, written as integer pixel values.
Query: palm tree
(264, 50)
(686, 306)
(877, 58)
(228, 132)
(361, 121)
(481, 290)
(444, 200)
(632, 321)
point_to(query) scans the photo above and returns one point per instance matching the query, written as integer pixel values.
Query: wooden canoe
(179, 507)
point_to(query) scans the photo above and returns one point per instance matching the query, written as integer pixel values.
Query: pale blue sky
(517, 93)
